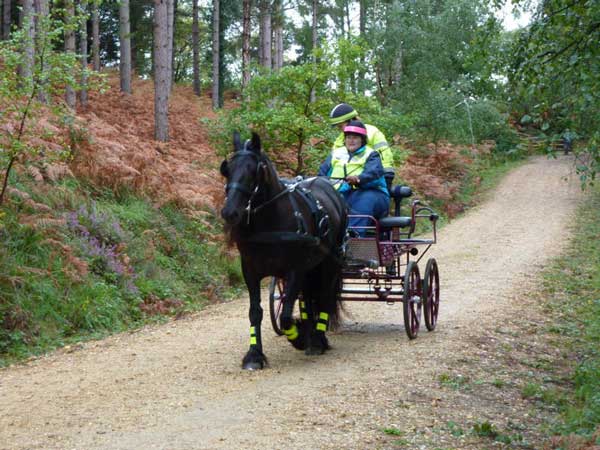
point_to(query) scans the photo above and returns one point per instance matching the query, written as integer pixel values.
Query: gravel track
(180, 386)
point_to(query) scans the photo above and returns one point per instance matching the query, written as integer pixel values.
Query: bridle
(251, 192)
(239, 186)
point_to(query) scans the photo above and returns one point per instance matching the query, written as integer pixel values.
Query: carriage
(381, 264)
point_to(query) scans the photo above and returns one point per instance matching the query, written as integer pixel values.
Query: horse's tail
(335, 318)
(323, 289)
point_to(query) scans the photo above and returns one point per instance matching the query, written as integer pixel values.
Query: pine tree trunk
(70, 97)
(6, 19)
(42, 11)
(125, 46)
(246, 27)
(362, 27)
(265, 17)
(278, 35)
(170, 31)
(196, 47)
(83, 50)
(96, 35)
(347, 16)
(215, 48)
(28, 24)
(161, 71)
(315, 42)
(222, 66)
(261, 33)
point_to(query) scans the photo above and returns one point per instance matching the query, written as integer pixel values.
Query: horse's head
(243, 173)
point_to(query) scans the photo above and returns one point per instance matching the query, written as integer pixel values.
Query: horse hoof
(253, 365)
(312, 351)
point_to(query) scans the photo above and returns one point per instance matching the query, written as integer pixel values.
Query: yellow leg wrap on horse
(291, 333)
(303, 313)
(322, 323)
(252, 335)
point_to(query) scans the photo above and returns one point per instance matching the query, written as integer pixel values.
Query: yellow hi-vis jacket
(343, 164)
(376, 140)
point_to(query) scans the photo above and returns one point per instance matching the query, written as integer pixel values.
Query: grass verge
(76, 263)
(572, 285)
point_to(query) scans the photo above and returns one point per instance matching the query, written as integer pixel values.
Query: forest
(115, 116)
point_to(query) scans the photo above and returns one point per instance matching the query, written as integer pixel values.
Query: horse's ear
(224, 169)
(255, 142)
(237, 144)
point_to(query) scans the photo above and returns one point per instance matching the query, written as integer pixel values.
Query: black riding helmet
(342, 113)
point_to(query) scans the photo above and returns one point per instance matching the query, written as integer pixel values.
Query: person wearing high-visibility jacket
(357, 173)
(341, 114)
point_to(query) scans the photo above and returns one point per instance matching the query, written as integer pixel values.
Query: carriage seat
(395, 222)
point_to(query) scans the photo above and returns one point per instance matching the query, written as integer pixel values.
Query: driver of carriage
(358, 175)
(339, 117)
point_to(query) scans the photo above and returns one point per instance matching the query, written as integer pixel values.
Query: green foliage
(455, 429)
(485, 429)
(278, 107)
(115, 263)
(393, 431)
(557, 75)
(454, 381)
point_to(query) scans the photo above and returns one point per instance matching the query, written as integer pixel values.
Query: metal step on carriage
(381, 264)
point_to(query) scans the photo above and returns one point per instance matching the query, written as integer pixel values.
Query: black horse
(293, 231)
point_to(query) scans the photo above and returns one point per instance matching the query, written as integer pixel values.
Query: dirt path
(179, 386)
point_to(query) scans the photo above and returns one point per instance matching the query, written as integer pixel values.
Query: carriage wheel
(276, 296)
(412, 300)
(431, 294)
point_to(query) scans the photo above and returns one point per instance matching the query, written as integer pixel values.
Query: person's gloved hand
(353, 180)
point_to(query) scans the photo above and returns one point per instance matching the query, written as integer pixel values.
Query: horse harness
(319, 216)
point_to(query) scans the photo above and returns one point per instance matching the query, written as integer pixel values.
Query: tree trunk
(196, 47)
(83, 50)
(222, 66)
(161, 71)
(125, 46)
(96, 35)
(28, 24)
(215, 48)
(347, 16)
(170, 35)
(362, 27)
(315, 42)
(246, 27)
(6, 19)
(70, 97)
(278, 35)
(265, 18)
(41, 33)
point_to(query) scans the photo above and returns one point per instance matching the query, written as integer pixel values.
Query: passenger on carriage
(358, 173)
(339, 117)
